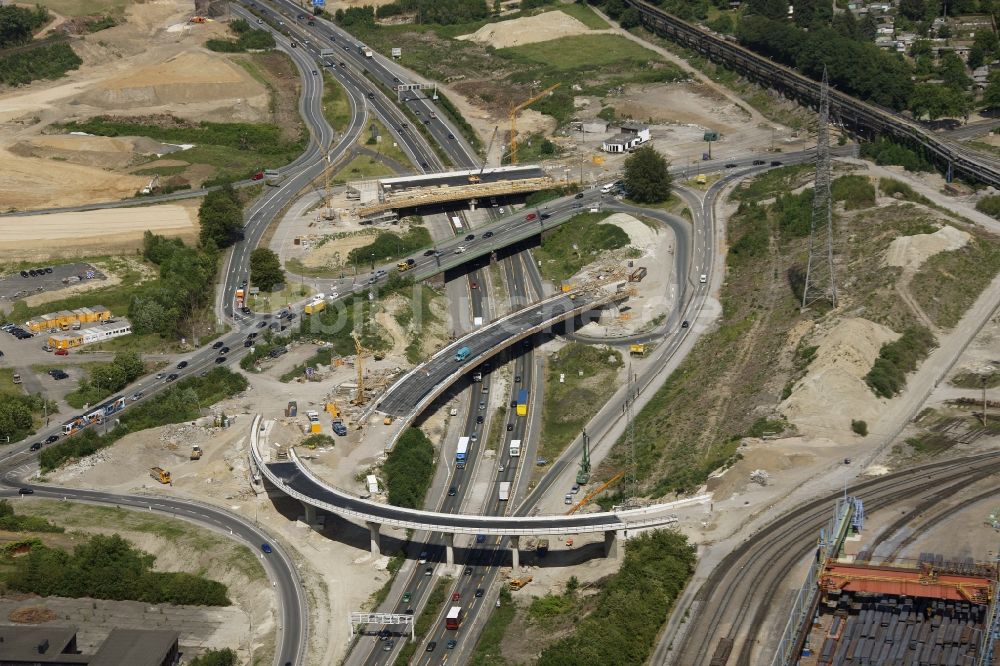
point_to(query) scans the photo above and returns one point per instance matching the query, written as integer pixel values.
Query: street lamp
(373, 262)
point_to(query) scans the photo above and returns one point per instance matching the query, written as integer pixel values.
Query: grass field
(589, 380)
(577, 243)
(585, 15)
(7, 384)
(576, 52)
(336, 107)
(387, 145)
(950, 282)
(362, 167)
(85, 7)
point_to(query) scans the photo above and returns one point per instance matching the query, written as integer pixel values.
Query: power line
(821, 284)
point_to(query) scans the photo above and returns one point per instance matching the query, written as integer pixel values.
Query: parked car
(62, 352)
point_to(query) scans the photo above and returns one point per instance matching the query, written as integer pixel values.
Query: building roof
(621, 139)
(135, 647)
(634, 127)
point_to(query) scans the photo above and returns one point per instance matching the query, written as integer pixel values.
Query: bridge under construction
(471, 185)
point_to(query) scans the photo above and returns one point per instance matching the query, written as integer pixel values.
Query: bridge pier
(449, 549)
(611, 547)
(310, 517)
(515, 554)
(374, 534)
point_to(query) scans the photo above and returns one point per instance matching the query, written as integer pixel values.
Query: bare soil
(154, 62)
(107, 231)
(528, 30)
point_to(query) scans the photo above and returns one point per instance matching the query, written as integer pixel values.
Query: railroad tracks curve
(740, 591)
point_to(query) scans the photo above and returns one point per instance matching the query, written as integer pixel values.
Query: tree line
(19, 24)
(109, 567)
(17, 412)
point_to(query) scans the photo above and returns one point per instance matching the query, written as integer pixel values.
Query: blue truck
(462, 354)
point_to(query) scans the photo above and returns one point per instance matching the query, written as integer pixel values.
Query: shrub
(855, 191)
(990, 205)
(389, 245)
(409, 469)
(885, 151)
(888, 374)
(860, 427)
(45, 61)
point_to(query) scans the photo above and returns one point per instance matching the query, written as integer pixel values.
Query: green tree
(265, 269)
(991, 96)
(221, 217)
(773, 9)
(985, 48)
(932, 100)
(647, 176)
(225, 657)
(15, 420)
(953, 72)
(914, 10)
(629, 18)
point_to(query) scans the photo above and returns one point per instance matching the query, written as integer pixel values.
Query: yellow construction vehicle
(513, 119)
(160, 474)
(387, 420)
(196, 453)
(333, 410)
(637, 350)
(517, 583)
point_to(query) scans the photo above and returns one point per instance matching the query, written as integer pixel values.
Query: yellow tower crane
(513, 119)
(359, 399)
(475, 178)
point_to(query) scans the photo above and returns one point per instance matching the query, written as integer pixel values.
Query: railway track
(735, 599)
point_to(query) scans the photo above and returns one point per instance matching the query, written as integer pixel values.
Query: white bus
(515, 448)
(461, 452)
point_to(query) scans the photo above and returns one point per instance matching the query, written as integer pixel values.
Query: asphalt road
(288, 587)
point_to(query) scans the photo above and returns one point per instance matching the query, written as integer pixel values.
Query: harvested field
(105, 231)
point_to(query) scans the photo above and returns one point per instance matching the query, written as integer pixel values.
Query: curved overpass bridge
(292, 478)
(418, 388)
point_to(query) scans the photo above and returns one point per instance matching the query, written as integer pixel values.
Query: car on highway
(383, 634)
(428, 253)
(452, 491)
(468, 572)
(451, 136)
(136, 395)
(455, 596)
(510, 426)
(451, 644)
(407, 596)
(172, 376)
(473, 285)
(488, 234)
(182, 365)
(568, 499)
(775, 163)
(266, 547)
(246, 310)
(579, 195)
(25, 491)
(51, 438)
(474, 437)
(480, 538)
(758, 162)
(517, 379)
(703, 279)
(423, 557)
(470, 237)
(429, 571)
(315, 73)
(685, 323)
(479, 419)
(529, 217)
(36, 446)
(480, 592)
(218, 344)
(220, 359)
(459, 250)
(731, 165)
(224, 350)
(389, 645)
(424, 165)
(431, 646)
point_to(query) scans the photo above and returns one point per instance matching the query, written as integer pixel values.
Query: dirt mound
(31, 615)
(834, 392)
(190, 77)
(911, 251)
(100, 151)
(527, 30)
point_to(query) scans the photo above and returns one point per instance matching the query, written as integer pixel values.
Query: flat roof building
(56, 646)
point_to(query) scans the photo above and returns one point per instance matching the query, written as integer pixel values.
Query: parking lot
(22, 284)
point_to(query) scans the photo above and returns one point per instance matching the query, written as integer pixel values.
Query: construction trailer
(87, 336)
(65, 319)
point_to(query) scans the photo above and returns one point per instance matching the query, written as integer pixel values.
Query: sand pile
(911, 251)
(190, 77)
(101, 151)
(527, 30)
(834, 392)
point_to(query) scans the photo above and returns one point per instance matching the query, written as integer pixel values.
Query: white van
(607, 188)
